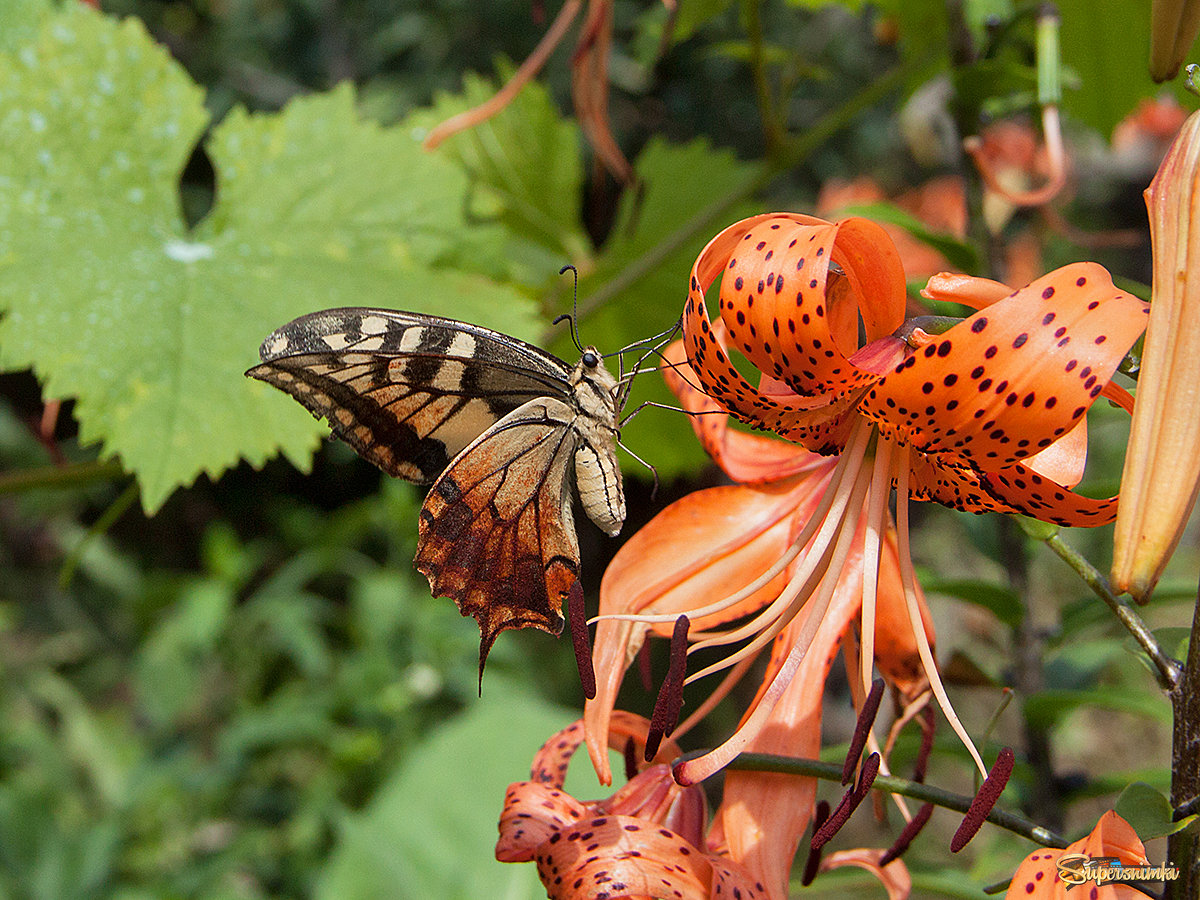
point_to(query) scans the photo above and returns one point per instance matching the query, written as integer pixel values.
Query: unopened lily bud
(1162, 465)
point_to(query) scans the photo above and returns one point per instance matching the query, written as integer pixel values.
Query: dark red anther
(927, 726)
(911, 830)
(670, 696)
(643, 664)
(577, 617)
(631, 763)
(989, 793)
(862, 728)
(850, 801)
(813, 864)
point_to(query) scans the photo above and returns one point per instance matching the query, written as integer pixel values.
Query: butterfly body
(503, 429)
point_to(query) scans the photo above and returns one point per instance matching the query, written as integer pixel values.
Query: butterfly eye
(590, 358)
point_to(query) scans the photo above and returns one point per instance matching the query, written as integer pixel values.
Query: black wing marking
(407, 391)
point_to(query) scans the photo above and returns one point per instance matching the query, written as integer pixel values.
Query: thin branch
(790, 765)
(1167, 669)
(60, 476)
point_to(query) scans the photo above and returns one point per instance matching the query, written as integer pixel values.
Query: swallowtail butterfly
(501, 428)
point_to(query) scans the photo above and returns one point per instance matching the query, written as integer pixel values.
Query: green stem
(68, 476)
(793, 153)
(791, 765)
(773, 133)
(1167, 669)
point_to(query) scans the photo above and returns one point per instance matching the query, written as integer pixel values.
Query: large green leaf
(19, 20)
(148, 325)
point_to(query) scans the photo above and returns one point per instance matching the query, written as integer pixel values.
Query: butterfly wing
(497, 532)
(407, 391)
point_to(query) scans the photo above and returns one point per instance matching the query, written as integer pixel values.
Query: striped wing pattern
(405, 390)
(502, 428)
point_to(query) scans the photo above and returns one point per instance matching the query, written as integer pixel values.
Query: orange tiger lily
(1038, 877)
(647, 840)
(985, 417)
(731, 535)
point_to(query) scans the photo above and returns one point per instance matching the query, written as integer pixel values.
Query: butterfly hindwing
(496, 531)
(405, 390)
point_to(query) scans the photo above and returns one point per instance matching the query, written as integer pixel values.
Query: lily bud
(1162, 467)
(1174, 25)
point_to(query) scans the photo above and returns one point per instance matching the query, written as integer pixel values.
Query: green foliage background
(219, 677)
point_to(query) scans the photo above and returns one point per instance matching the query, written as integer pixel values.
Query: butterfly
(502, 429)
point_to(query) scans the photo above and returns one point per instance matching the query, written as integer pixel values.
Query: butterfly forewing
(407, 391)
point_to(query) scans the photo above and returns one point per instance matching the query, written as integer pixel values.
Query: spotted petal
(1037, 878)
(800, 333)
(1010, 380)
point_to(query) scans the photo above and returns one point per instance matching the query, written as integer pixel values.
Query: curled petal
(969, 290)
(1162, 467)
(625, 856)
(800, 330)
(1006, 383)
(532, 814)
(893, 876)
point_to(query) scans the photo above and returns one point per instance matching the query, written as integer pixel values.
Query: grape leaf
(149, 325)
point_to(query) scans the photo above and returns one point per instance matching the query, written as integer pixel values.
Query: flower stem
(1183, 847)
(791, 765)
(1167, 669)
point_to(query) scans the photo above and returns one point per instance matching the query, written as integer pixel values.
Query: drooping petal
(896, 652)
(1017, 489)
(702, 547)
(1162, 467)
(1007, 382)
(1037, 878)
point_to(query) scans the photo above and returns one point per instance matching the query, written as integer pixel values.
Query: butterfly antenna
(573, 315)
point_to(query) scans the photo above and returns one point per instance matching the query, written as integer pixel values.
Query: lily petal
(764, 814)
(702, 547)
(745, 458)
(1162, 467)
(1007, 382)
(1037, 877)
